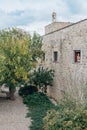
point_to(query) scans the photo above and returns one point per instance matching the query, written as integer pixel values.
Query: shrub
(27, 89)
(67, 116)
(38, 104)
(42, 77)
(36, 99)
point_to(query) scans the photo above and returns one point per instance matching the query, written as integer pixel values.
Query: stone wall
(70, 77)
(55, 26)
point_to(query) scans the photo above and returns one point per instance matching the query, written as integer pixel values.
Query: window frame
(77, 56)
(55, 56)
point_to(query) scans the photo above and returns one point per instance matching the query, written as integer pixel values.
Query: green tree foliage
(16, 56)
(42, 77)
(35, 47)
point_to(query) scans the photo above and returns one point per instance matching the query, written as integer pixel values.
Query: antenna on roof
(54, 17)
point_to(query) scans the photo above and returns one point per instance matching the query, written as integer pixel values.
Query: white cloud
(34, 15)
(35, 26)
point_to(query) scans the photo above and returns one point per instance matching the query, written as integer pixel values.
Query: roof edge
(66, 27)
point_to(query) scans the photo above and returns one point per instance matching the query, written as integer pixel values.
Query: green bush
(42, 77)
(27, 89)
(36, 99)
(38, 104)
(68, 116)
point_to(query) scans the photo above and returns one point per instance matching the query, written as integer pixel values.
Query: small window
(55, 56)
(77, 56)
(43, 56)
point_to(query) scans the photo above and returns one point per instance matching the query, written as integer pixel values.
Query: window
(55, 56)
(77, 56)
(43, 56)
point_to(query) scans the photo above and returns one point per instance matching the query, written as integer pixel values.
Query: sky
(34, 15)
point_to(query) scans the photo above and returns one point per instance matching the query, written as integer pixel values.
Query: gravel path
(12, 115)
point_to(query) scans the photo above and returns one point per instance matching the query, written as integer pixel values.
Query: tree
(35, 47)
(16, 57)
(42, 77)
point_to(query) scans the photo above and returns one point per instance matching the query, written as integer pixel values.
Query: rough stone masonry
(65, 47)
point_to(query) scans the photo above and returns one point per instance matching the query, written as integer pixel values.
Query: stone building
(65, 47)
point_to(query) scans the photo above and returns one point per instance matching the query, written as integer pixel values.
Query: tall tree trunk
(12, 93)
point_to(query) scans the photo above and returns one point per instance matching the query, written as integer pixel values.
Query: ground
(13, 114)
